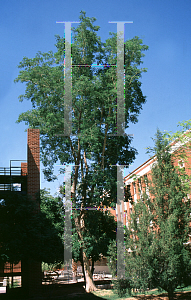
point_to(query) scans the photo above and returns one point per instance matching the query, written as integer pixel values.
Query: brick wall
(23, 169)
(33, 159)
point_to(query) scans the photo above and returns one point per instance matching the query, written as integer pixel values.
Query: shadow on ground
(77, 291)
(54, 291)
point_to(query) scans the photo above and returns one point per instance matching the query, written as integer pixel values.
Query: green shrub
(122, 286)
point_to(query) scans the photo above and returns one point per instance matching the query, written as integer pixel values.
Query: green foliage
(139, 239)
(99, 229)
(53, 212)
(112, 258)
(122, 285)
(51, 266)
(27, 232)
(171, 214)
(18, 227)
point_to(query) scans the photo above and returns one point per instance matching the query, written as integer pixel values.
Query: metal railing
(10, 187)
(13, 171)
(5, 186)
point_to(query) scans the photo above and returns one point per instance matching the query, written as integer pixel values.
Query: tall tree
(158, 249)
(90, 148)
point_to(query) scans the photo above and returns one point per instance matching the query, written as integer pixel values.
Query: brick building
(135, 182)
(25, 179)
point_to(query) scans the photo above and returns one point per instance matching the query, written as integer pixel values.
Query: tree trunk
(170, 295)
(83, 272)
(74, 270)
(90, 286)
(82, 263)
(92, 269)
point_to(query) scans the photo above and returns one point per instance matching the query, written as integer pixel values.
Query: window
(16, 187)
(146, 184)
(140, 185)
(128, 193)
(134, 190)
(187, 198)
(181, 163)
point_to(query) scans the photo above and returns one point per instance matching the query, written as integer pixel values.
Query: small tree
(170, 209)
(121, 285)
(139, 238)
(159, 226)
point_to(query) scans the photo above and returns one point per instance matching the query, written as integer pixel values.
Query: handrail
(5, 187)
(13, 171)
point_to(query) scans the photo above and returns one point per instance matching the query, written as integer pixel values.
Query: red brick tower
(33, 160)
(32, 274)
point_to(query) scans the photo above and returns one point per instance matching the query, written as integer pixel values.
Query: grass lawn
(110, 295)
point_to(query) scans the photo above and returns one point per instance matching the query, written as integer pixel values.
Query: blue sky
(27, 27)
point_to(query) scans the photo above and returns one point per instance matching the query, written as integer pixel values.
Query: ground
(77, 291)
(106, 294)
